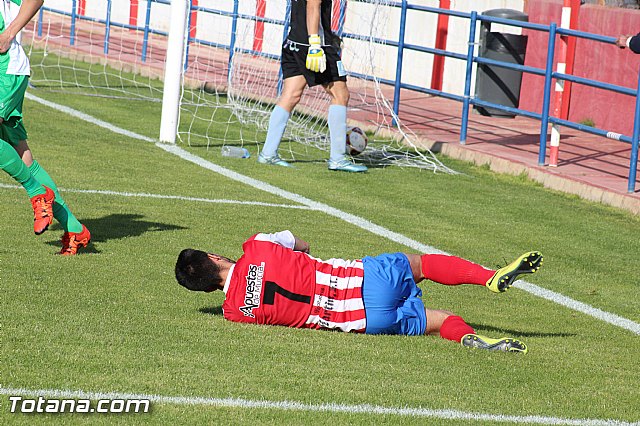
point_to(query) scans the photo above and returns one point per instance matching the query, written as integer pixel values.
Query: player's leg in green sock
(60, 209)
(11, 163)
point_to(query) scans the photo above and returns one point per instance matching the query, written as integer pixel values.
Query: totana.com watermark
(19, 404)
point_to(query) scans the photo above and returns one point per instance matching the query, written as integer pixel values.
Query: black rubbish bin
(495, 84)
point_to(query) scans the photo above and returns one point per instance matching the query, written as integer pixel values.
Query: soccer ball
(356, 140)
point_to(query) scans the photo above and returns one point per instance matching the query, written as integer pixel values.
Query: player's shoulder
(255, 238)
(252, 238)
(282, 238)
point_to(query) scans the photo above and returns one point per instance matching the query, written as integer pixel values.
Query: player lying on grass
(15, 156)
(277, 282)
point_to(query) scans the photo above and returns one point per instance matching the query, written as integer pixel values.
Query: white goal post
(173, 68)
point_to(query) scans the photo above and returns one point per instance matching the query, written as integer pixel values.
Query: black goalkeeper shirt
(298, 25)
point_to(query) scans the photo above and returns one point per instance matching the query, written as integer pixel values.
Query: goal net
(231, 76)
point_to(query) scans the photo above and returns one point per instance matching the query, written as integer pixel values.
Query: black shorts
(294, 59)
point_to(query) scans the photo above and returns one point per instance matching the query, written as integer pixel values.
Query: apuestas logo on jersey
(253, 290)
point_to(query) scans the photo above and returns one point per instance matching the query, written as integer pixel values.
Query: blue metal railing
(467, 81)
(547, 93)
(401, 47)
(404, 6)
(72, 39)
(107, 22)
(234, 27)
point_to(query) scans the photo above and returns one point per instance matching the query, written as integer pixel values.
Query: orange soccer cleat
(42, 210)
(72, 241)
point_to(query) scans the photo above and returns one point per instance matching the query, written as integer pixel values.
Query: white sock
(337, 119)
(277, 125)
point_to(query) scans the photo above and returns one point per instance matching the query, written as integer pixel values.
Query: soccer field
(113, 323)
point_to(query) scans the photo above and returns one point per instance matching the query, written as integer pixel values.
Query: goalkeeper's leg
(291, 93)
(337, 119)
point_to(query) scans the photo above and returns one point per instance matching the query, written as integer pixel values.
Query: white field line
(167, 197)
(552, 296)
(299, 406)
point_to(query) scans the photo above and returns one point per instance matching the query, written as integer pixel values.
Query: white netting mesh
(91, 63)
(252, 83)
(228, 102)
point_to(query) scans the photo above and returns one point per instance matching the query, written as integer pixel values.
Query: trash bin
(495, 84)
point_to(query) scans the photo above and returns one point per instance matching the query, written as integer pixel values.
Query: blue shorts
(391, 297)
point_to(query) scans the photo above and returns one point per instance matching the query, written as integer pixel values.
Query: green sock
(60, 209)
(11, 163)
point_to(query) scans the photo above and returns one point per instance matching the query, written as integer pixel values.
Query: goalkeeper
(310, 57)
(15, 156)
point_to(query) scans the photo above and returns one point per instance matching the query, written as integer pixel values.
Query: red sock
(454, 328)
(452, 270)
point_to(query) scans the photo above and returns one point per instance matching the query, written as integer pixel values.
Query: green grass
(114, 319)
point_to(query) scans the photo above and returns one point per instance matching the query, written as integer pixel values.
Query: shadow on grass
(505, 332)
(374, 159)
(217, 310)
(116, 227)
(212, 310)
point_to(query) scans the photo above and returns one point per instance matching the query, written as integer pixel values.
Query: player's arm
(313, 16)
(623, 41)
(630, 41)
(27, 11)
(285, 239)
(316, 59)
(301, 245)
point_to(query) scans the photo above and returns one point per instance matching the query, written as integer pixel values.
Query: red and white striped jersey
(273, 284)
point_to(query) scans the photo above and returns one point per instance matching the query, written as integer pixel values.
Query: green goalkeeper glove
(316, 60)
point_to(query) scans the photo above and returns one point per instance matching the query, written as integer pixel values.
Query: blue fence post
(40, 19)
(232, 43)
(544, 125)
(285, 33)
(107, 27)
(467, 81)
(341, 17)
(72, 31)
(633, 167)
(398, 82)
(145, 36)
(186, 50)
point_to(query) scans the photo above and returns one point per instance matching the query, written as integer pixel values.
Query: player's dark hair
(195, 271)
